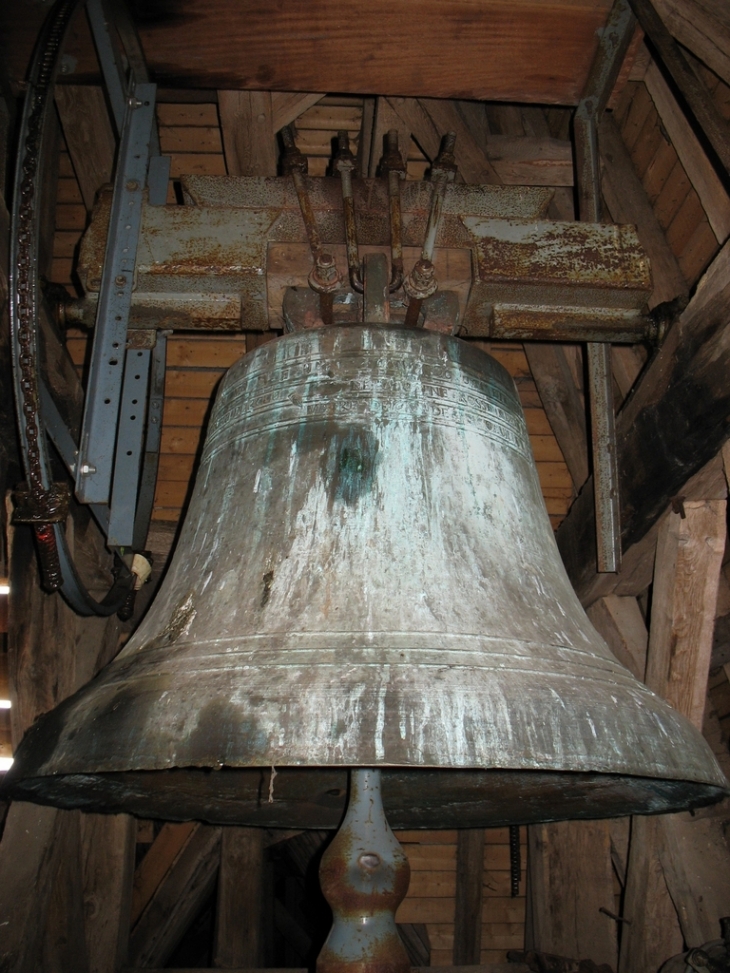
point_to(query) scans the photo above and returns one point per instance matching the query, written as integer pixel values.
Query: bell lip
(655, 797)
(58, 744)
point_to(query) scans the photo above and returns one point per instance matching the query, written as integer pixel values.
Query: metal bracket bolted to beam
(96, 453)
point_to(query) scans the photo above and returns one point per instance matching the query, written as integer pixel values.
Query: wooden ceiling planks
(503, 50)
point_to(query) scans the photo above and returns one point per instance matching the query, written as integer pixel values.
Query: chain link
(39, 89)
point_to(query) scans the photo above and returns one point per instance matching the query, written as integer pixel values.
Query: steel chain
(26, 285)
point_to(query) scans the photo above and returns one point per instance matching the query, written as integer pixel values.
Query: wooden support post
(569, 879)
(653, 933)
(659, 901)
(28, 863)
(64, 947)
(700, 26)
(41, 888)
(239, 913)
(89, 137)
(248, 132)
(177, 899)
(107, 861)
(686, 578)
(468, 907)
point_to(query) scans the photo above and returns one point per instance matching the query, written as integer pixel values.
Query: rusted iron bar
(323, 278)
(421, 283)
(612, 48)
(694, 91)
(344, 163)
(443, 172)
(605, 466)
(393, 168)
(364, 877)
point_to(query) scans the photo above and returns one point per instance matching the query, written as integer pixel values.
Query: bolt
(120, 280)
(86, 469)
(444, 165)
(344, 160)
(421, 282)
(324, 277)
(132, 185)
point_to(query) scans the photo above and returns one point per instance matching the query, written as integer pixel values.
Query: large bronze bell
(366, 577)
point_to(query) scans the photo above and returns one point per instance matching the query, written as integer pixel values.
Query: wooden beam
(686, 578)
(674, 424)
(28, 864)
(287, 106)
(418, 122)
(652, 933)
(64, 946)
(107, 861)
(157, 863)
(693, 89)
(482, 157)
(473, 163)
(177, 900)
(700, 171)
(517, 51)
(530, 160)
(468, 905)
(696, 865)
(628, 203)
(620, 622)
(365, 142)
(569, 879)
(702, 28)
(239, 911)
(563, 403)
(637, 566)
(89, 136)
(247, 127)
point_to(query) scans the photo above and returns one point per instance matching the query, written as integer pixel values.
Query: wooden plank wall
(430, 899)
(676, 202)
